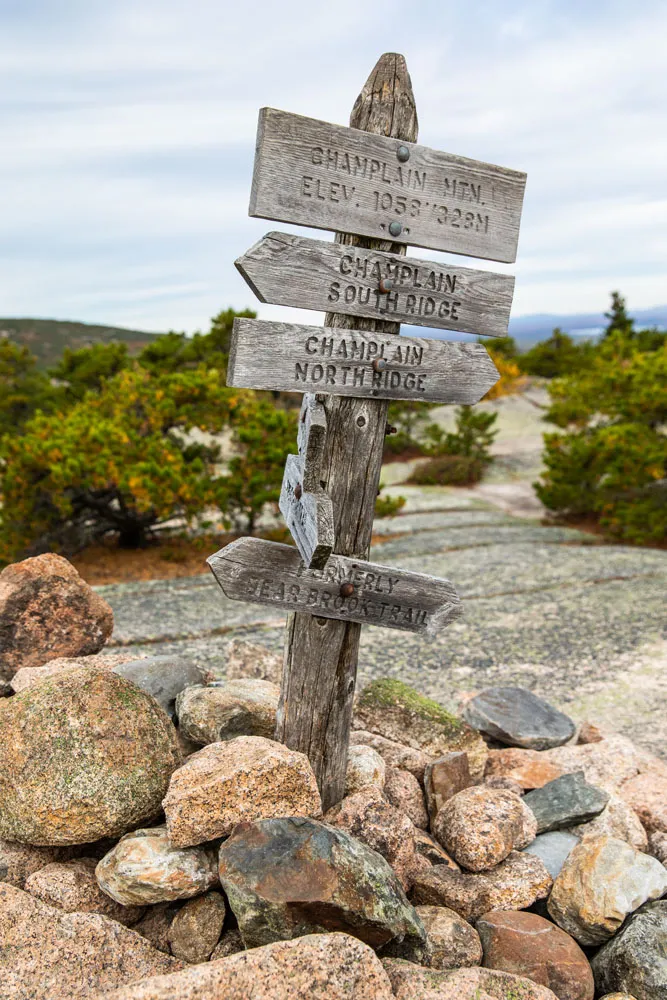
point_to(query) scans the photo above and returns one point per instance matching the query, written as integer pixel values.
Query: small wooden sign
(311, 439)
(309, 516)
(294, 358)
(255, 570)
(289, 270)
(312, 173)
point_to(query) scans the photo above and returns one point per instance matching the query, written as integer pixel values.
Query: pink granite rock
(27, 676)
(646, 794)
(365, 767)
(72, 886)
(480, 826)
(404, 791)
(19, 861)
(47, 611)
(46, 954)
(411, 982)
(454, 943)
(237, 781)
(314, 967)
(393, 754)
(517, 882)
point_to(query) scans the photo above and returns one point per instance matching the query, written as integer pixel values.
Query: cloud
(129, 137)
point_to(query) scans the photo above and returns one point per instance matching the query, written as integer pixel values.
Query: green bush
(558, 355)
(611, 463)
(23, 389)
(115, 462)
(472, 438)
(449, 470)
(388, 506)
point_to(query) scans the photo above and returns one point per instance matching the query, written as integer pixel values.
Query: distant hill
(47, 338)
(528, 330)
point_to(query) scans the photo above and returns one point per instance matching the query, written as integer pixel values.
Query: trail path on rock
(580, 623)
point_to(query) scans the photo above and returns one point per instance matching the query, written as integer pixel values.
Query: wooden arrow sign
(309, 516)
(293, 358)
(252, 569)
(289, 270)
(312, 173)
(311, 440)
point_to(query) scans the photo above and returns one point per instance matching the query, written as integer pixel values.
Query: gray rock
(553, 849)
(288, 877)
(517, 717)
(602, 882)
(565, 801)
(635, 960)
(227, 709)
(196, 928)
(162, 676)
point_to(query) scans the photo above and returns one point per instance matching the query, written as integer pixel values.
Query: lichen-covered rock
(46, 611)
(454, 943)
(410, 982)
(617, 819)
(519, 718)
(517, 882)
(635, 960)
(393, 754)
(164, 677)
(288, 877)
(553, 849)
(72, 887)
(27, 676)
(480, 826)
(397, 712)
(86, 756)
(365, 767)
(647, 796)
(145, 868)
(46, 954)
(196, 928)
(369, 817)
(444, 778)
(316, 967)
(237, 781)
(404, 791)
(526, 944)
(227, 709)
(565, 801)
(601, 883)
(19, 861)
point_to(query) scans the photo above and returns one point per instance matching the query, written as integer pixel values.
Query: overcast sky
(128, 133)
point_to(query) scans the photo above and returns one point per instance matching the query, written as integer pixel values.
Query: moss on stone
(387, 692)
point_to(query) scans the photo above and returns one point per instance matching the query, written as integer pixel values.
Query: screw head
(403, 154)
(346, 589)
(395, 228)
(386, 285)
(379, 365)
(298, 491)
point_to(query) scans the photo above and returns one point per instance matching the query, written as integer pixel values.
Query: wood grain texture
(293, 358)
(312, 439)
(289, 270)
(316, 174)
(320, 663)
(309, 516)
(263, 572)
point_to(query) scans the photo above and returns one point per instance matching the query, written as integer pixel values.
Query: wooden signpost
(355, 363)
(252, 569)
(316, 174)
(289, 270)
(379, 191)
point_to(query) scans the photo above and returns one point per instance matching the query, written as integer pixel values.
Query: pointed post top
(386, 104)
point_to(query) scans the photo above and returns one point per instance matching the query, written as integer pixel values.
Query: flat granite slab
(580, 623)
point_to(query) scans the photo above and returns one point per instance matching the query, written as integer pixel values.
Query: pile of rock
(157, 843)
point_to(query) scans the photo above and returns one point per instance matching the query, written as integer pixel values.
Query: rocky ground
(157, 843)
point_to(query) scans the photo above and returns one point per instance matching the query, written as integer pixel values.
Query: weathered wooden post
(320, 664)
(380, 192)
